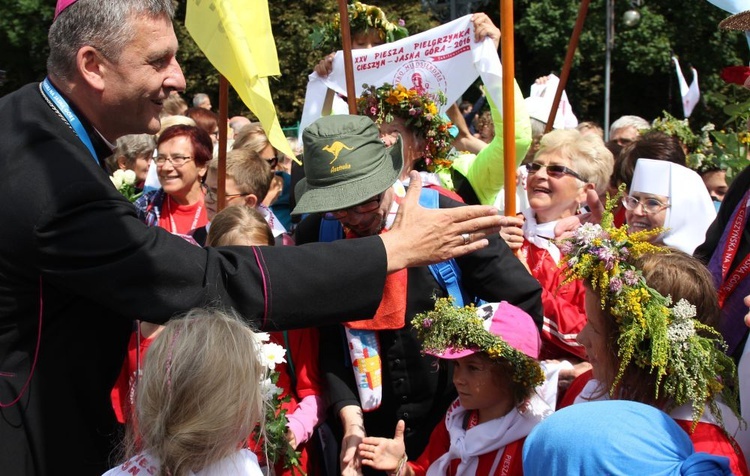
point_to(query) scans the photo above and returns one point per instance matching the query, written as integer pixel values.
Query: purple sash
(732, 323)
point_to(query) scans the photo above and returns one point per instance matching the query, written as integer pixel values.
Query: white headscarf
(691, 210)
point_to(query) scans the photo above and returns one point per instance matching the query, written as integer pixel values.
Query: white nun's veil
(691, 210)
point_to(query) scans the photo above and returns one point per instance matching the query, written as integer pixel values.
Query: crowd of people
(369, 312)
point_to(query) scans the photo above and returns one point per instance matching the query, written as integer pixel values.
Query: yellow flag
(236, 37)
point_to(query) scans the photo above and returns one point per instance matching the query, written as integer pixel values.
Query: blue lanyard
(62, 106)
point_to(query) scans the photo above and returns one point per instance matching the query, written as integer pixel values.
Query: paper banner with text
(444, 58)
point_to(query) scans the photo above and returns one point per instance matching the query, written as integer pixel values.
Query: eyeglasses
(212, 195)
(554, 171)
(365, 207)
(176, 160)
(650, 205)
(272, 162)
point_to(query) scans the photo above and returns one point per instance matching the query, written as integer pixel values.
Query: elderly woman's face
(553, 195)
(140, 167)
(184, 181)
(640, 219)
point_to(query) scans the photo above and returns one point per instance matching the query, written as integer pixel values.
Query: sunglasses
(554, 171)
(272, 161)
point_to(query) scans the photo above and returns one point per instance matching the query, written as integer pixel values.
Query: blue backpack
(446, 273)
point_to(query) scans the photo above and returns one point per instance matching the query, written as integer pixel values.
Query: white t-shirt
(241, 463)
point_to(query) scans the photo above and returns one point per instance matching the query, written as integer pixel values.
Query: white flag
(690, 94)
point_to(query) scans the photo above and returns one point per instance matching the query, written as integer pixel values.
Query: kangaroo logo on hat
(335, 149)
(366, 169)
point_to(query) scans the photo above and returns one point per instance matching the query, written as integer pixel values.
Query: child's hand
(384, 453)
(291, 438)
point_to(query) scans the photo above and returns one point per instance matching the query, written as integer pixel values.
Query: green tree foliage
(643, 79)
(292, 23)
(23, 41)
(643, 76)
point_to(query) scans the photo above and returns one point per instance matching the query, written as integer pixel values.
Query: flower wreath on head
(679, 128)
(654, 333)
(420, 114)
(449, 327)
(361, 18)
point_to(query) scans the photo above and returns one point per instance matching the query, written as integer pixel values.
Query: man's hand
(354, 432)
(422, 236)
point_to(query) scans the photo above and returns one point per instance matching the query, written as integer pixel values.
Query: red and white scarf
(468, 445)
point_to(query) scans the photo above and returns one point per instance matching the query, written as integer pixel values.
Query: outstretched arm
(421, 236)
(387, 454)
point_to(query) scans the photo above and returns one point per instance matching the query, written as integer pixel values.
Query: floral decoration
(124, 182)
(686, 356)
(735, 74)
(720, 150)
(362, 17)
(271, 436)
(679, 128)
(725, 147)
(447, 326)
(420, 114)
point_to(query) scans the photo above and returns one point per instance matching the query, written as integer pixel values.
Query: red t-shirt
(122, 395)
(185, 218)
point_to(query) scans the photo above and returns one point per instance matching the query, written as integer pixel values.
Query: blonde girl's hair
(239, 225)
(199, 397)
(251, 136)
(587, 153)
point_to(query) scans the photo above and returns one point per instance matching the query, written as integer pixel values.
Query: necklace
(173, 225)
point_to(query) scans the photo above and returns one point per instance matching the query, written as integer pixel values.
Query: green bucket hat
(346, 163)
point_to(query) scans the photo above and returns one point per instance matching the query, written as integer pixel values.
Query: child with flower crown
(198, 399)
(298, 378)
(493, 351)
(650, 335)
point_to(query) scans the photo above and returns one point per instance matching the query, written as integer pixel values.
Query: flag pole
(346, 43)
(509, 124)
(223, 121)
(572, 45)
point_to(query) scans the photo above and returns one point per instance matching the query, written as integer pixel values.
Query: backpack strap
(330, 230)
(446, 273)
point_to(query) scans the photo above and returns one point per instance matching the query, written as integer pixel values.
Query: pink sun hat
(508, 322)
(62, 5)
